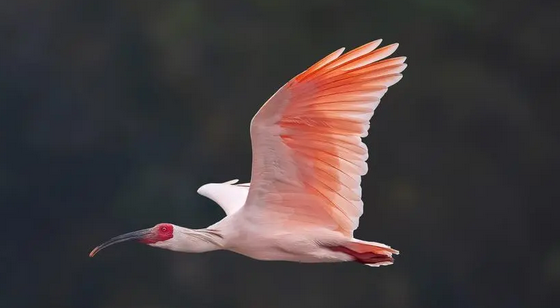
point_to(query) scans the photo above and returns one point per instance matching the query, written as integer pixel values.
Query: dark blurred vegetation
(113, 113)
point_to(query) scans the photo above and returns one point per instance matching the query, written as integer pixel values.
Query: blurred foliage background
(113, 113)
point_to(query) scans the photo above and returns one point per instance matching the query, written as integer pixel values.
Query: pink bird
(304, 200)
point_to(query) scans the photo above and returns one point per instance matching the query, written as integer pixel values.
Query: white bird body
(304, 200)
(243, 233)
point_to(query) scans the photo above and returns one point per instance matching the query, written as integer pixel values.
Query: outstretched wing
(229, 195)
(308, 155)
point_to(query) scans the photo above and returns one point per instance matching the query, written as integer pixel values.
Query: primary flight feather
(304, 200)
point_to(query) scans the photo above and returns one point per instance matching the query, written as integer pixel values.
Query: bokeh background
(113, 113)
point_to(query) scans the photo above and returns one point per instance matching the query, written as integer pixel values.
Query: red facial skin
(161, 232)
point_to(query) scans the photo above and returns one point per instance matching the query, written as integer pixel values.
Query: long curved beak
(136, 235)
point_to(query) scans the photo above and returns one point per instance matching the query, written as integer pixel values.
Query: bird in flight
(304, 200)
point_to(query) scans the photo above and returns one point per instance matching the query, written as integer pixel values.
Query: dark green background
(113, 113)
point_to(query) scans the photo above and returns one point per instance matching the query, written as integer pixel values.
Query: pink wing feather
(308, 155)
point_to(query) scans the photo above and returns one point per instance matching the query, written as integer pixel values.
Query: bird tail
(368, 253)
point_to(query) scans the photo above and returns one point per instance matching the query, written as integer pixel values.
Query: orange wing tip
(403, 67)
(355, 53)
(338, 59)
(371, 57)
(321, 63)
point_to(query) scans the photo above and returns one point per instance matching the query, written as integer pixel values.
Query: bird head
(155, 236)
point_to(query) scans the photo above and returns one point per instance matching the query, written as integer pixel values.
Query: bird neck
(195, 241)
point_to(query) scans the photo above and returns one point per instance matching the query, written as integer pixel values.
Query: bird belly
(269, 240)
(286, 247)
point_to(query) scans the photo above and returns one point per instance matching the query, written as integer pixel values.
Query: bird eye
(163, 229)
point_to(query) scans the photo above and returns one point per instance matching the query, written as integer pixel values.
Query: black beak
(136, 235)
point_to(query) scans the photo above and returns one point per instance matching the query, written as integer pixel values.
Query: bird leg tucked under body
(368, 258)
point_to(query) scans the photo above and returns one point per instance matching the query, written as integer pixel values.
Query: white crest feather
(228, 195)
